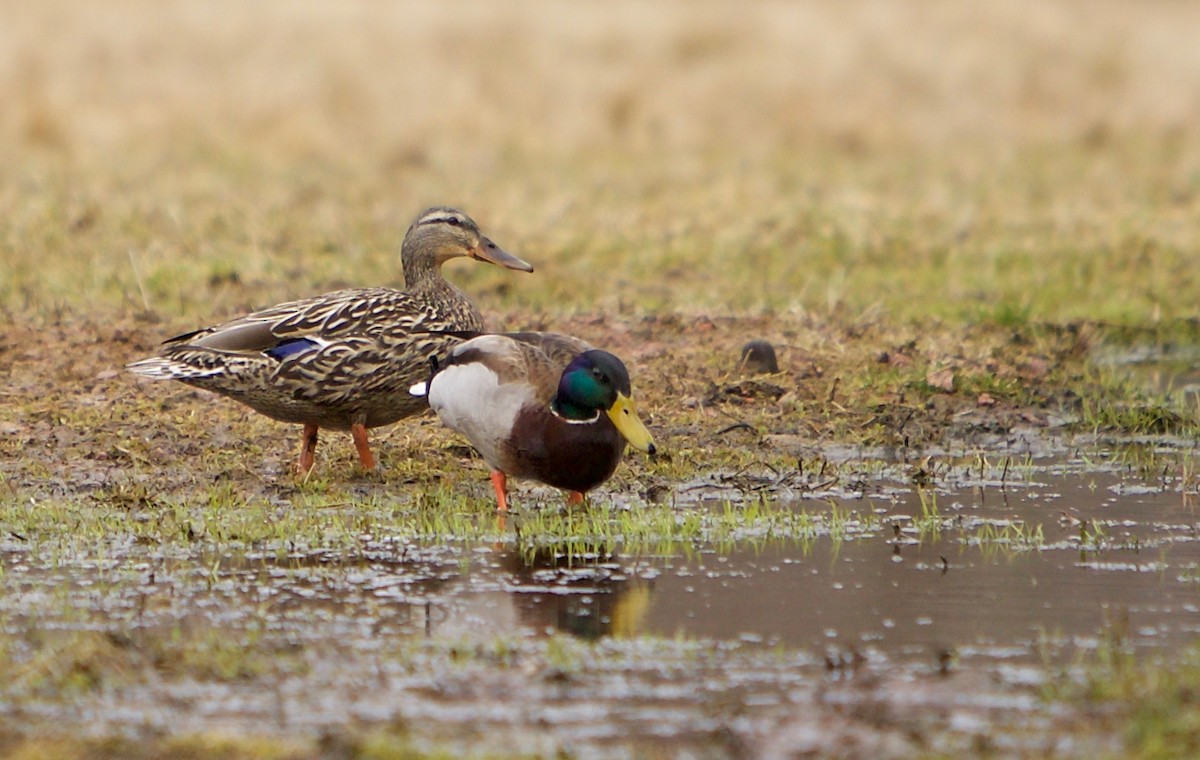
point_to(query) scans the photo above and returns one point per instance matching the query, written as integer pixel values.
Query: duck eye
(453, 221)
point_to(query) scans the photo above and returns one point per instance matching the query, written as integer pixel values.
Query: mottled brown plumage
(343, 360)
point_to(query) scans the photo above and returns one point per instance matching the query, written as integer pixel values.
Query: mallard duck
(344, 360)
(541, 406)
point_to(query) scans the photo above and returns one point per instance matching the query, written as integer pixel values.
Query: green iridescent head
(594, 382)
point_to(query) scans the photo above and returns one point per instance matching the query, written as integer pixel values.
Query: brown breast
(574, 457)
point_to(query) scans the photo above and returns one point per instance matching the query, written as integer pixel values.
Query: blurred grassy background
(1036, 159)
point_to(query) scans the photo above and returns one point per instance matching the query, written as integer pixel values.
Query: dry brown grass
(460, 82)
(940, 158)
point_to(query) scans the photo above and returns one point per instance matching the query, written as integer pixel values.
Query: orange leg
(308, 449)
(573, 498)
(359, 432)
(500, 483)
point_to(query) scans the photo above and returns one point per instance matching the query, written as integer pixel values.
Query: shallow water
(1111, 554)
(936, 606)
(1172, 370)
(1095, 551)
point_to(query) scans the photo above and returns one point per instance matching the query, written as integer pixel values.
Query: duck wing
(342, 313)
(533, 359)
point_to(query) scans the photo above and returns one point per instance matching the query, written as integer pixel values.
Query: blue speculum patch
(290, 348)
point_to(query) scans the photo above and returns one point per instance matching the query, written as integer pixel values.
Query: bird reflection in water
(576, 588)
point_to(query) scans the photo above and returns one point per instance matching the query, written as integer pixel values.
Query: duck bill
(494, 254)
(624, 415)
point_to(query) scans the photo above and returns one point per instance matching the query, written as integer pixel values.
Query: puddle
(1051, 561)
(985, 575)
(1172, 370)
(1053, 557)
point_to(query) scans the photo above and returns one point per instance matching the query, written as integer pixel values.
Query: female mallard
(531, 404)
(344, 360)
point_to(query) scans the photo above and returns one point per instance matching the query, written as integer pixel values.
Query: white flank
(469, 398)
(420, 389)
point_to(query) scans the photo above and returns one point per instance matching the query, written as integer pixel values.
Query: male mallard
(541, 406)
(343, 360)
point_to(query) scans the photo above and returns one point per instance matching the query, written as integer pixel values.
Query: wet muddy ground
(866, 599)
(940, 611)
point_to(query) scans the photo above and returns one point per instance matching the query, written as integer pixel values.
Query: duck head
(596, 381)
(440, 234)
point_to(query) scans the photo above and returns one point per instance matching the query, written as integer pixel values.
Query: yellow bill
(624, 415)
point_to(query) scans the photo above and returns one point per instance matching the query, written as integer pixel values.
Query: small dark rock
(758, 358)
